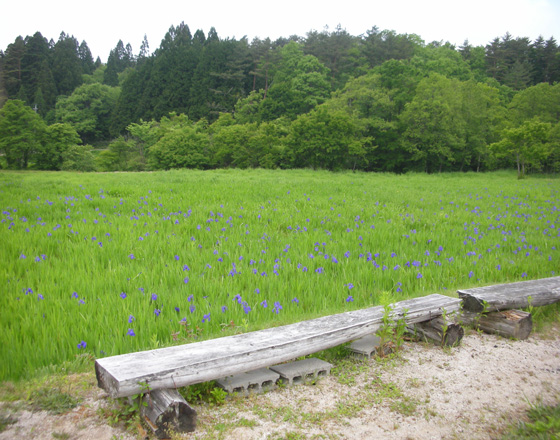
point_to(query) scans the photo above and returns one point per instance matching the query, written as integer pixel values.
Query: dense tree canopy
(380, 101)
(26, 140)
(21, 132)
(89, 110)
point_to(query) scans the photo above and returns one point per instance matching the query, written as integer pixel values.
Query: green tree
(145, 135)
(325, 139)
(184, 147)
(434, 133)
(139, 94)
(441, 59)
(401, 78)
(88, 66)
(475, 57)
(221, 77)
(66, 64)
(551, 71)
(78, 158)
(484, 117)
(58, 138)
(380, 46)
(509, 61)
(117, 157)
(338, 51)
(45, 93)
(120, 59)
(89, 110)
(262, 56)
(144, 50)
(300, 84)
(3, 91)
(96, 76)
(553, 161)
(21, 133)
(528, 145)
(232, 145)
(12, 68)
(247, 109)
(169, 85)
(35, 59)
(268, 145)
(541, 101)
(374, 109)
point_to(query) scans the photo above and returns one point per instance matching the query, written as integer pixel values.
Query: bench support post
(509, 323)
(167, 411)
(444, 331)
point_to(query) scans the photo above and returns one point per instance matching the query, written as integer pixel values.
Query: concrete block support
(297, 372)
(368, 346)
(256, 381)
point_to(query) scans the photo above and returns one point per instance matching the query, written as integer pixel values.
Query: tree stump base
(508, 323)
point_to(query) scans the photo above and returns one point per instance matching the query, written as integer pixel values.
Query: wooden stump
(443, 331)
(165, 410)
(508, 323)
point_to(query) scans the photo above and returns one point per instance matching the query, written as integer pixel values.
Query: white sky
(102, 23)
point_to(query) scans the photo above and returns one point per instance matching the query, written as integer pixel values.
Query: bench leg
(167, 411)
(509, 323)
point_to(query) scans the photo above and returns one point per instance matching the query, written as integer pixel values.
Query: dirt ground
(473, 391)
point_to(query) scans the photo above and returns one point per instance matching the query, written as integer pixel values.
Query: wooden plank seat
(517, 295)
(177, 366)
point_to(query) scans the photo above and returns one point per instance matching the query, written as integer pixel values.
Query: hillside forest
(380, 101)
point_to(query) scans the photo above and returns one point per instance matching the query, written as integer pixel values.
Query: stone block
(297, 372)
(256, 381)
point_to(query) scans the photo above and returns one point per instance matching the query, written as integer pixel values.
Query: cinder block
(301, 371)
(368, 346)
(256, 381)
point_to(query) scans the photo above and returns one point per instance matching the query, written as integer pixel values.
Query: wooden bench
(492, 308)
(182, 365)
(162, 371)
(511, 296)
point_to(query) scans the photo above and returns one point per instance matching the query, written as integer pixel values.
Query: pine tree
(12, 67)
(88, 66)
(144, 49)
(34, 60)
(66, 64)
(120, 59)
(3, 92)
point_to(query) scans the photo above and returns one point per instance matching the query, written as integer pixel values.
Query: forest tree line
(377, 102)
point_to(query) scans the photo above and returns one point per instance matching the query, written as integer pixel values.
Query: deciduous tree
(526, 144)
(21, 133)
(89, 110)
(58, 138)
(434, 132)
(324, 139)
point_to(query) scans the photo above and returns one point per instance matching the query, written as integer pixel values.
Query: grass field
(112, 263)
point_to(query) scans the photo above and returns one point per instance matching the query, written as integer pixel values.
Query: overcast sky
(102, 23)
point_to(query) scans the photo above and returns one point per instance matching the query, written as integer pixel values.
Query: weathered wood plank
(167, 411)
(508, 323)
(188, 364)
(511, 296)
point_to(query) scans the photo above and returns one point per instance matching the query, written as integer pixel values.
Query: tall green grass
(88, 260)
